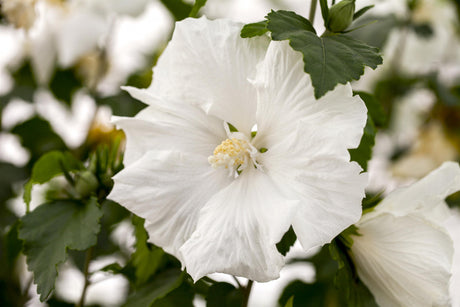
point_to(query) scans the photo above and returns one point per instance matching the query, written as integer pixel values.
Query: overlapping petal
(169, 126)
(239, 228)
(307, 142)
(404, 261)
(168, 189)
(207, 63)
(403, 254)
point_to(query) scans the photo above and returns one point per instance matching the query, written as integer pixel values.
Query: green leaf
(285, 24)
(223, 294)
(363, 153)
(64, 84)
(178, 8)
(329, 60)
(147, 257)
(362, 11)
(374, 108)
(196, 7)
(289, 238)
(49, 166)
(346, 235)
(53, 228)
(156, 289)
(254, 29)
(354, 292)
(305, 295)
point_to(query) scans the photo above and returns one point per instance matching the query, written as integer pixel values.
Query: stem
(237, 281)
(312, 10)
(85, 287)
(246, 293)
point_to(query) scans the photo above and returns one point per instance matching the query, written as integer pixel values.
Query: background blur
(61, 67)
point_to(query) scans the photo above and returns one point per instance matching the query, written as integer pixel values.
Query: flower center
(233, 154)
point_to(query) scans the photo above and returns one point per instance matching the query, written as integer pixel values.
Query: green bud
(341, 15)
(85, 183)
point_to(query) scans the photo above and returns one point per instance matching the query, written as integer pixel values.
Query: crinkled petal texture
(307, 142)
(404, 255)
(209, 76)
(207, 63)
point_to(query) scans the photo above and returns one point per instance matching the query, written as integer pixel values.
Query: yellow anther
(232, 153)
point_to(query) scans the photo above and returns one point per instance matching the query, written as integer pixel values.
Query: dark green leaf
(354, 292)
(362, 11)
(223, 294)
(254, 29)
(347, 235)
(64, 84)
(196, 7)
(122, 104)
(38, 137)
(50, 230)
(285, 24)
(329, 60)
(179, 297)
(178, 8)
(49, 166)
(374, 108)
(147, 257)
(286, 242)
(363, 153)
(156, 289)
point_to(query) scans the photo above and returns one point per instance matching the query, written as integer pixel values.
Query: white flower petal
(426, 196)
(169, 126)
(239, 228)
(168, 189)
(211, 64)
(286, 97)
(404, 261)
(320, 175)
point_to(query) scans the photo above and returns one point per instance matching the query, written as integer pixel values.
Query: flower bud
(85, 183)
(341, 15)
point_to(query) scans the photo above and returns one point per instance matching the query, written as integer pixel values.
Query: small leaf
(179, 297)
(53, 228)
(49, 166)
(196, 7)
(284, 24)
(223, 294)
(290, 302)
(329, 60)
(289, 238)
(254, 29)
(362, 11)
(156, 289)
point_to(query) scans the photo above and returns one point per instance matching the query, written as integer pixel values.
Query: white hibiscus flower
(220, 199)
(404, 255)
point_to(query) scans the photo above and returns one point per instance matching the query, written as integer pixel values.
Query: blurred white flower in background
(404, 253)
(209, 77)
